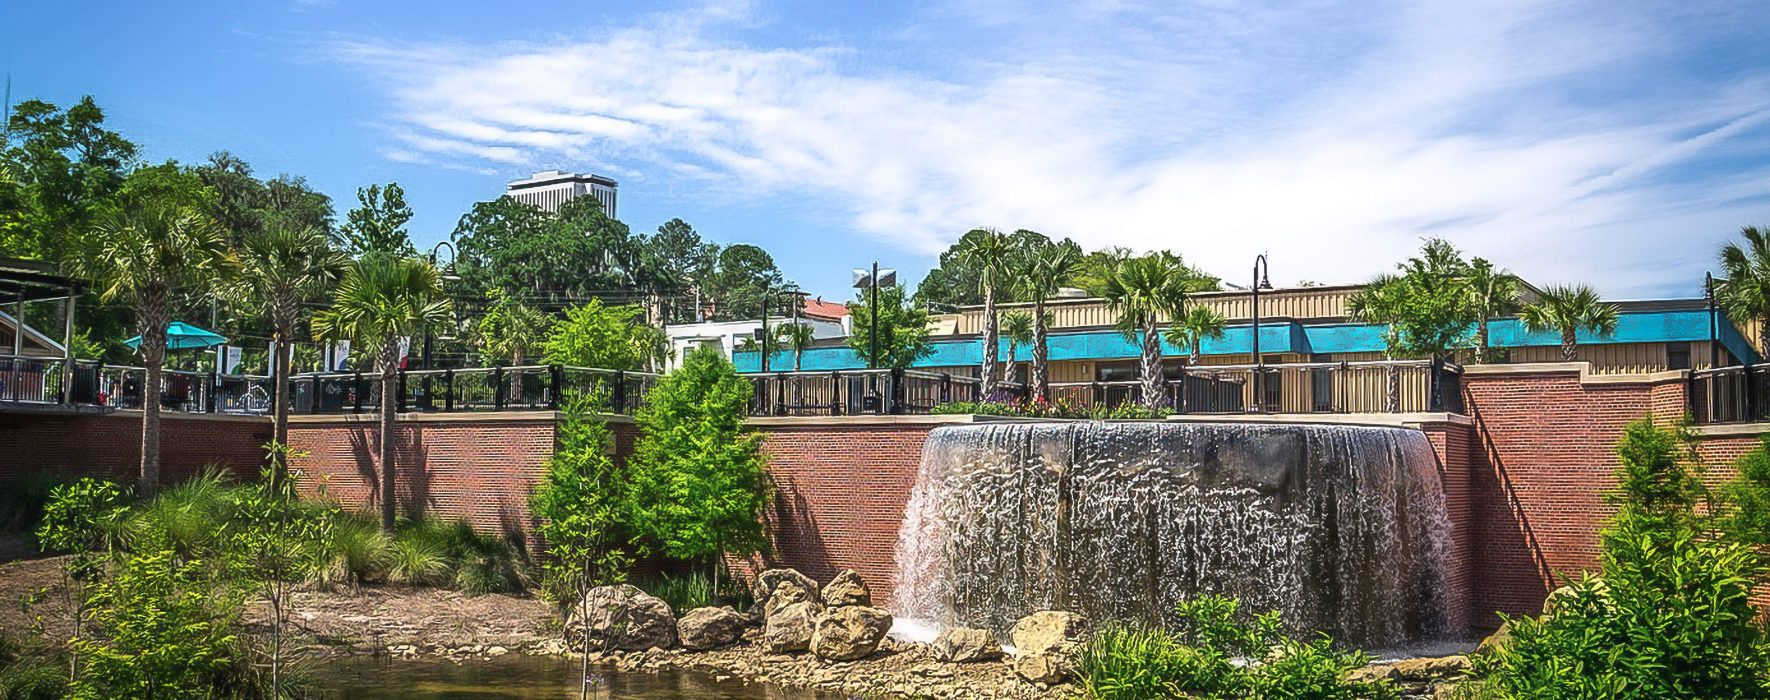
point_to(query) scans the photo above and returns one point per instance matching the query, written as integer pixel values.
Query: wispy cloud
(1566, 141)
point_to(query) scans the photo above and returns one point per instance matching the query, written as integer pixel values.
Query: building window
(1678, 356)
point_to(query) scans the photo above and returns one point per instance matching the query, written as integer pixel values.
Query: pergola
(24, 282)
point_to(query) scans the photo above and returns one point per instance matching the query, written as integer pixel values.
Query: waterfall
(1341, 528)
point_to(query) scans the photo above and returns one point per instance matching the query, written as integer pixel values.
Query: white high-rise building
(549, 189)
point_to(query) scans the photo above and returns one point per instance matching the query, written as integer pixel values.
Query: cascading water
(1341, 528)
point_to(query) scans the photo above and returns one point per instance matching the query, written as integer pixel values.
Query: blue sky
(1612, 142)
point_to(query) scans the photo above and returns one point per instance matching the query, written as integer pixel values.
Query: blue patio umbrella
(183, 336)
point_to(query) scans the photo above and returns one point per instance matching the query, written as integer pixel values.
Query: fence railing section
(861, 392)
(524, 388)
(1739, 394)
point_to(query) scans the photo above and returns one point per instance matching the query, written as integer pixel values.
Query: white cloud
(1545, 137)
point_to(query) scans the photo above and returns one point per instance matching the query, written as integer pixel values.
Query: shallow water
(521, 677)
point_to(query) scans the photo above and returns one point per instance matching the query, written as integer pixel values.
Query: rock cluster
(836, 622)
(622, 617)
(1047, 645)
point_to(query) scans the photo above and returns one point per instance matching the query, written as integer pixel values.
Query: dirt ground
(361, 621)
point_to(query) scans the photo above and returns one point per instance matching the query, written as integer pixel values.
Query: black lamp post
(448, 275)
(1708, 295)
(1260, 282)
(872, 281)
(762, 336)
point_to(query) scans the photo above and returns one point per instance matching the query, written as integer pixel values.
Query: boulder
(847, 589)
(1431, 668)
(1048, 630)
(779, 588)
(1049, 668)
(1494, 642)
(789, 629)
(850, 632)
(711, 628)
(1562, 595)
(966, 644)
(623, 617)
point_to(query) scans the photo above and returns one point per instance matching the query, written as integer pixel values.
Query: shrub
(161, 629)
(187, 517)
(471, 562)
(30, 673)
(695, 590)
(356, 552)
(417, 563)
(1132, 663)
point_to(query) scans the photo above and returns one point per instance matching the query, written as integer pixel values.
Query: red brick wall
(840, 493)
(481, 470)
(109, 445)
(1455, 445)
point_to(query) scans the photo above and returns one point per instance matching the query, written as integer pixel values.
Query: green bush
(1133, 663)
(417, 563)
(473, 563)
(355, 553)
(189, 516)
(1670, 616)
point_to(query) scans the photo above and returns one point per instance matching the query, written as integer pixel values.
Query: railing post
(214, 389)
(356, 392)
(780, 394)
(946, 387)
(555, 380)
(498, 388)
(835, 393)
(400, 400)
(1433, 400)
(896, 405)
(449, 389)
(1751, 393)
(618, 394)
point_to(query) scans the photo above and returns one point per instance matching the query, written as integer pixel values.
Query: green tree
(67, 167)
(903, 330)
(285, 267)
(383, 300)
(1426, 307)
(510, 331)
(1569, 310)
(1099, 266)
(796, 337)
(81, 519)
(160, 245)
(988, 252)
(1193, 328)
(275, 541)
(1745, 293)
(162, 629)
(1142, 291)
(683, 264)
(579, 506)
(699, 480)
(1493, 292)
(1041, 270)
(1744, 515)
(745, 276)
(378, 223)
(605, 337)
(1017, 328)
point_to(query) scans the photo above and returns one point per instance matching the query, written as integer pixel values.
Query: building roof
(553, 177)
(816, 306)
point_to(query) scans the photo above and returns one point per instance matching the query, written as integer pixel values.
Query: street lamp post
(448, 275)
(762, 339)
(872, 281)
(1708, 295)
(1260, 282)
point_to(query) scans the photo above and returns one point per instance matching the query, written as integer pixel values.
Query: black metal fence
(862, 392)
(1400, 386)
(524, 388)
(1739, 394)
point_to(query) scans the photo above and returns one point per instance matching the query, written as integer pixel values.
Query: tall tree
(1384, 300)
(1041, 270)
(286, 267)
(605, 337)
(1192, 329)
(1570, 309)
(1141, 291)
(746, 275)
(1427, 306)
(290, 201)
(699, 481)
(796, 337)
(1493, 292)
(903, 329)
(1017, 328)
(684, 264)
(383, 300)
(161, 244)
(1099, 266)
(378, 223)
(988, 251)
(510, 331)
(239, 197)
(68, 168)
(1745, 292)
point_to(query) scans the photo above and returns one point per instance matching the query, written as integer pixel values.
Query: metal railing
(523, 388)
(1399, 386)
(862, 392)
(1738, 394)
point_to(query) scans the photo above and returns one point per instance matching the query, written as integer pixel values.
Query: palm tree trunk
(1481, 341)
(1041, 379)
(389, 423)
(1763, 338)
(516, 359)
(154, 318)
(988, 386)
(280, 397)
(1153, 397)
(1569, 346)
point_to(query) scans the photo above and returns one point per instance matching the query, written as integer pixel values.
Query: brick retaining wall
(108, 445)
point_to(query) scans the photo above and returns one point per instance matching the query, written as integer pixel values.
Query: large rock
(789, 629)
(966, 644)
(1048, 668)
(1431, 668)
(847, 589)
(623, 617)
(1566, 594)
(1500, 638)
(1048, 630)
(711, 628)
(779, 588)
(850, 632)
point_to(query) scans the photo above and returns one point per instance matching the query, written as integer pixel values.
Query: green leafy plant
(902, 329)
(160, 630)
(271, 540)
(84, 519)
(355, 552)
(605, 337)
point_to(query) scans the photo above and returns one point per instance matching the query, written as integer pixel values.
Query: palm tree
(1570, 309)
(797, 337)
(1191, 330)
(1017, 327)
(1038, 276)
(1384, 301)
(382, 300)
(1493, 292)
(1142, 290)
(986, 252)
(284, 267)
(511, 330)
(143, 256)
(1746, 291)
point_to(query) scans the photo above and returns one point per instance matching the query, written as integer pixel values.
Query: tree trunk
(1569, 346)
(154, 318)
(1763, 339)
(1041, 380)
(1481, 342)
(280, 399)
(1153, 396)
(389, 421)
(988, 386)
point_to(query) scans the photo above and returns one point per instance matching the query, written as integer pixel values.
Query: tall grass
(355, 552)
(695, 590)
(472, 562)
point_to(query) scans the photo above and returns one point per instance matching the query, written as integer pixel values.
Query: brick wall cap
(1382, 420)
(1583, 369)
(1731, 429)
(462, 417)
(814, 421)
(135, 414)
